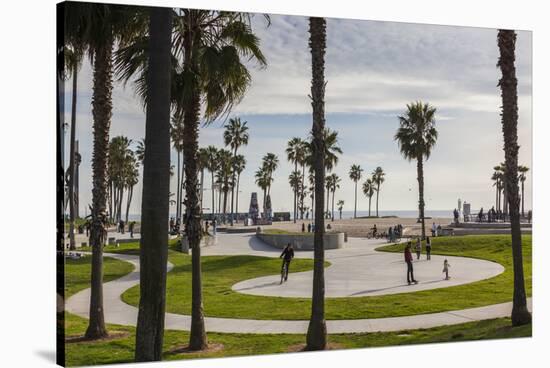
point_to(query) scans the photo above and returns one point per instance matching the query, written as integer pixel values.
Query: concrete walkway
(118, 312)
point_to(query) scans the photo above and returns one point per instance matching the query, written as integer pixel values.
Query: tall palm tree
(355, 175)
(329, 182)
(156, 191)
(368, 190)
(73, 58)
(263, 181)
(225, 176)
(295, 180)
(340, 205)
(203, 165)
(176, 134)
(98, 27)
(496, 178)
(416, 138)
(212, 44)
(522, 178)
(294, 154)
(316, 338)
(378, 178)
(335, 184)
(302, 154)
(212, 166)
(508, 87)
(270, 163)
(131, 178)
(235, 136)
(239, 165)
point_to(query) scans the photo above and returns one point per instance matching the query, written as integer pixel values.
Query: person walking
(434, 229)
(308, 228)
(428, 248)
(303, 227)
(214, 226)
(446, 266)
(409, 260)
(418, 248)
(131, 228)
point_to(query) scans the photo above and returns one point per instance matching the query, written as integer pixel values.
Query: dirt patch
(301, 347)
(112, 336)
(212, 348)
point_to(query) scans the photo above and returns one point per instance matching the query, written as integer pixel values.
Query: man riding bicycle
(287, 255)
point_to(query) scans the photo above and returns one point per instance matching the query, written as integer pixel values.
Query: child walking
(446, 266)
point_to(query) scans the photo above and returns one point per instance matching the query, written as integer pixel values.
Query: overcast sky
(373, 70)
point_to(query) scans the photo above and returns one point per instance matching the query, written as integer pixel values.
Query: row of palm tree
(123, 175)
(264, 175)
(370, 186)
(501, 201)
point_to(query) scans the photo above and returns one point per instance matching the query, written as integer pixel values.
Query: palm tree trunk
(508, 86)
(233, 186)
(328, 200)
(522, 198)
(128, 201)
(72, 158)
(316, 338)
(156, 189)
(213, 195)
(420, 177)
(332, 212)
(178, 201)
(377, 192)
(101, 111)
(202, 187)
(197, 336)
(355, 200)
(237, 196)
(370, 197)
(302, 192)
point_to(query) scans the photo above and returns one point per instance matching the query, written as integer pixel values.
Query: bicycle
(284, 271)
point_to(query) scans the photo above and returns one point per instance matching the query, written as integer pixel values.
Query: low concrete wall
(302, 242)
(240, 230)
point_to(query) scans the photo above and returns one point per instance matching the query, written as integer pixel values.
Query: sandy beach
(361, 226)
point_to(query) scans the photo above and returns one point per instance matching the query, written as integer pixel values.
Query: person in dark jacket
(428, 248)
(409, 261)
(286, 255)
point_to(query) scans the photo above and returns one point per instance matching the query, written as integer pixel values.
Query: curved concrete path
(118, 312)
(358, 270)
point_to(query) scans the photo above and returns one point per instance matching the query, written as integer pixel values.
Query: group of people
(174, 226)
(311, 227)
(395, 232)
(436, 230)
(121, 226)
(418, 249)
(208, 224)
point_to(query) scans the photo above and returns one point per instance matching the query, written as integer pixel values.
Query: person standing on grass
(418, 248)
(434, 229)
(428, 248)
(409, 260)
(446, 266)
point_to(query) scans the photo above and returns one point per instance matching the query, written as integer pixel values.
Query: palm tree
(235, 136)
(176, 134)
(270, 164)
(203, 165)
(73, 58)
(316, 338)
(263, 181)
(140, 151)
(368, 190)
(98, 27)
(328, 186)
(295, 180)
(378, 178)
(156, 191)
(224, 174)
(294, 153)
(355, 175)
(340, 205)
(131, 178)
(239, 165)
(496, 178)
(212, 166)
(416, 137)
(508, 87)
(212, 44)
(522, 177)
(335, 184)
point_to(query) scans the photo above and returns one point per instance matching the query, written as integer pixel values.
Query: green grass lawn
(125, 248)
(221, 272)
(121, 350)
(285, 232)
